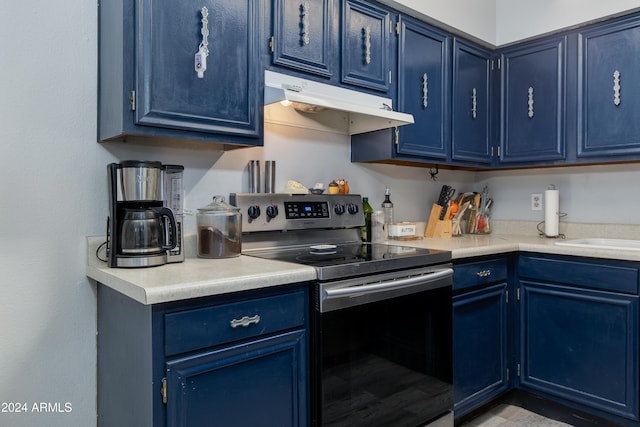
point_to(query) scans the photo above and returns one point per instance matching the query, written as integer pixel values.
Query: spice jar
(219, 230)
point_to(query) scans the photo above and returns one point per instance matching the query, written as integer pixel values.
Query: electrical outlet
(536, 202)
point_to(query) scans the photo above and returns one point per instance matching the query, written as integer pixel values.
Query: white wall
(542, 16)
(55, 183)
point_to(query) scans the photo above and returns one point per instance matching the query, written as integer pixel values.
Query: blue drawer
(589, 274)
(479, 273)
(209, 326)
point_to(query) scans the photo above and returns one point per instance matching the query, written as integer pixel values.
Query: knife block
(440, 229)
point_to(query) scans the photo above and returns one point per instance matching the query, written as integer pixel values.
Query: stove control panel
(281, 212)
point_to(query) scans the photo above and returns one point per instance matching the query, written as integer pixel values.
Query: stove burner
(323, 249)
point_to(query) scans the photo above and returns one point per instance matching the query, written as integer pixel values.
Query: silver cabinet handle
(425, 90)
(366, 41)
(484, 273)
(530, 102)
(304, 16)
(616, 88)
(474, 103)
(245, 321)
(200, 60)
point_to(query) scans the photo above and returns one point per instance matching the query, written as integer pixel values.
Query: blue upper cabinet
(304, 36)
(609, 89)
(424, 85)
(148, 80)
(366, 45)
(471, 104)
(533, 102)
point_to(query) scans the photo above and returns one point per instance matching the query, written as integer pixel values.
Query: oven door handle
(421, 281)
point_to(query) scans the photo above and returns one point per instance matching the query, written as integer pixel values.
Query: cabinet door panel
(533, 102)
(365, 45)
(423, 90)
(479, 346)
(260, 383)
(170, 94)
(580, 345)
(470, 103)
(609, 90)
(303, 35)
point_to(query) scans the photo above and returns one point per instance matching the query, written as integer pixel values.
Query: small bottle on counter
(365, 230)
(387, 209)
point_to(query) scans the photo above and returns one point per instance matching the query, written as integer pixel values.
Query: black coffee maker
(145, 198)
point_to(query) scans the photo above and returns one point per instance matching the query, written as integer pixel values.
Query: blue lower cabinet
(230, 360)
(259, 383)
(578, 327)
(480, 346)
(581, 345)
(481, 332)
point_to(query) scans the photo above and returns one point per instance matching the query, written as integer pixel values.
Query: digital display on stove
(306, 210)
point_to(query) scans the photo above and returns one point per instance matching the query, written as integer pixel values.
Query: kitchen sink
(620, 244)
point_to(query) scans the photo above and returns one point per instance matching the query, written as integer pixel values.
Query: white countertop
(197, 277)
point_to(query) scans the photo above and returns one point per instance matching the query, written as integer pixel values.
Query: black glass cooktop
(353, 259)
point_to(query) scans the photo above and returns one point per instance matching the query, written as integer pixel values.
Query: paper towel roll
(551, 212)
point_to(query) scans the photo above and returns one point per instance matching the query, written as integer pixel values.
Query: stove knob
(352, 209)
(253, 212)
(272, 212)
(339, 209)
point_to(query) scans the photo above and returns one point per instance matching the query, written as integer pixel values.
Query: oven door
(382, 350)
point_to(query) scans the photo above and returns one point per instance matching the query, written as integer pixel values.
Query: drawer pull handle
(245, 321)
(484, 273)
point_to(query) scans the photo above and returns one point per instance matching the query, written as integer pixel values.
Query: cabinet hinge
(518, 294)
(132, 100)
(163, 390)
(272, 42)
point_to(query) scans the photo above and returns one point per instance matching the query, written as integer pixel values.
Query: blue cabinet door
(533, 102)
(257, 383)
(608, 104)
(470, 104)
(304, 36)
(169, 92)
(580, 345)
(479, 346)
(365, 45)
(424, 68)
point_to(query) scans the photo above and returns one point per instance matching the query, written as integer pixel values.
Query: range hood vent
(305, 103)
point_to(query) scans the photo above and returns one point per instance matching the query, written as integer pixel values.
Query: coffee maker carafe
(145, 203)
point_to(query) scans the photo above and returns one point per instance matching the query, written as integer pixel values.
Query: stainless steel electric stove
(381, 313)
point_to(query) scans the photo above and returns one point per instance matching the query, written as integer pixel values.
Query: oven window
(386, 363)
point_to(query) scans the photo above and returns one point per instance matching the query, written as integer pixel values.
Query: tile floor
(505, 415)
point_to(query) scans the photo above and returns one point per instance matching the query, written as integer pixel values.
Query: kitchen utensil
(143, 231)
(254, 176)
(269, 176)
(446, 193)
(219, 230)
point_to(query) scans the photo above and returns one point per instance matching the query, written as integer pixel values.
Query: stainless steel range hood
(305, 103)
